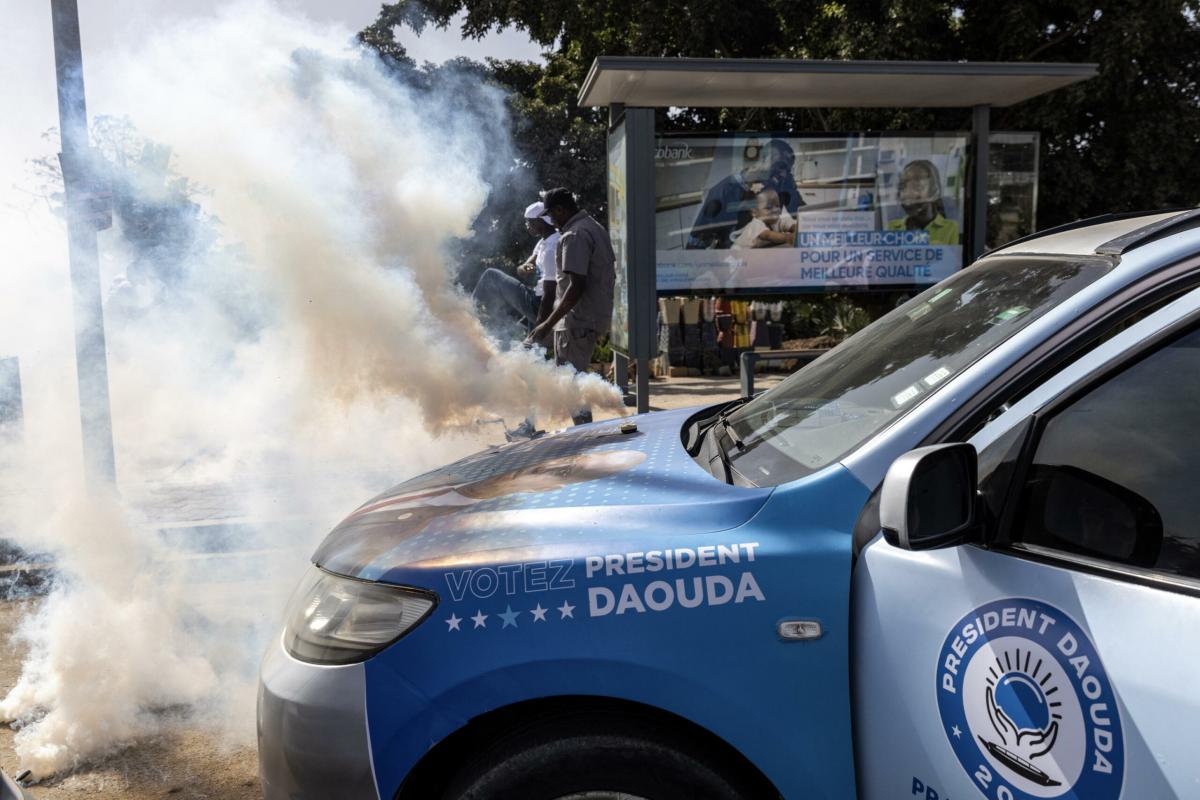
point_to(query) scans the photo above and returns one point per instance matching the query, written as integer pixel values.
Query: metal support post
(643, 385)
(615, 112)
(621, 376)
(643, 295)
(752, 357)
(11, 413)
(91, 362)
(980, 130)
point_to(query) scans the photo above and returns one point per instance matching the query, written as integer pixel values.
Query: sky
(27, 89)
(113, 22)
(432, 45)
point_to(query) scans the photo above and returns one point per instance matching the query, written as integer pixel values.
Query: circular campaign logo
(1027, 706)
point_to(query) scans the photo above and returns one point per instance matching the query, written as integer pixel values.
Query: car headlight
(336, 620)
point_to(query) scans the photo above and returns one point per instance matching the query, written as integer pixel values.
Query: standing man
(583, 302)
(503, 297)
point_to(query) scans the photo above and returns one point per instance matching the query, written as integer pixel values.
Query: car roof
(1083, 238)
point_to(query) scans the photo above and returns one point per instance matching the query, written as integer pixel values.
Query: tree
(1125, 140)
(153, 208)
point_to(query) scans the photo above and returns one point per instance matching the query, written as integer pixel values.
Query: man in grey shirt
(583, 302)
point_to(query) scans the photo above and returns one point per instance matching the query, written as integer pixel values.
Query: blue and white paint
(1027, 706)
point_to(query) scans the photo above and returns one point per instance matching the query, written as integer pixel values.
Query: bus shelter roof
(790, 83)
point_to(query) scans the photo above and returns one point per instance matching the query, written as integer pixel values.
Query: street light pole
(87, 212)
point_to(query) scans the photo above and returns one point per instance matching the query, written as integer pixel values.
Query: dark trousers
(574, 346)
(505, 302)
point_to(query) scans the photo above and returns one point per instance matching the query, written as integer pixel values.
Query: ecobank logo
(1027, 706)
(673, 151)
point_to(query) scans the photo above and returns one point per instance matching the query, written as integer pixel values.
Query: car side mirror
(929, 498)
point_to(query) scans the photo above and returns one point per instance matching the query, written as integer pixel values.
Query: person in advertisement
(583, 302)
(921, 198)
(730, 203)
(501, 297)
(770, 223)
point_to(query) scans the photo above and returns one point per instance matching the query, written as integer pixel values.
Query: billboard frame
(636, 125)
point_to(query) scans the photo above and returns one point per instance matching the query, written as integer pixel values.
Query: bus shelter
(764, 212)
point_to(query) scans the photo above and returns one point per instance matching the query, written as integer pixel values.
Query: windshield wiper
(725, 425)
(699, 426)
(732, 475)
(710, 441)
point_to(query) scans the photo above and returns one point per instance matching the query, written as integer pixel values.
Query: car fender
(397, 737)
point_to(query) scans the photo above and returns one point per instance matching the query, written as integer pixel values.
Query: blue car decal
(1027, 706)
(604, 609)
(596, 484)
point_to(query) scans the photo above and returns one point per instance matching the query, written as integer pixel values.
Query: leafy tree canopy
(1126, 140)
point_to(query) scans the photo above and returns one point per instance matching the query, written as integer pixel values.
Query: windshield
(827, 409)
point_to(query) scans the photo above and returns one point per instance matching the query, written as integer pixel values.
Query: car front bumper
(312, 731)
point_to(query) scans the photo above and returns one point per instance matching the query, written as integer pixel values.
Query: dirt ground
(187, 764)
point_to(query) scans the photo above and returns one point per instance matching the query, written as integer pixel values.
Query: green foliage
(833, 315)
(1123, 141)
(602, 353)
(153, 208)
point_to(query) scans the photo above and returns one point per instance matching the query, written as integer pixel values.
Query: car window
(1141, 308)
(1114, 473)
(998, 462)
(829, 408)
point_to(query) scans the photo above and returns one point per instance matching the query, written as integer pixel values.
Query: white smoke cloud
(304, 343)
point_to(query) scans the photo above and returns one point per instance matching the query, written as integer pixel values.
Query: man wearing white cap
(503, 297)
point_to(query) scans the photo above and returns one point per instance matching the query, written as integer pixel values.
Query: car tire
(598, 757)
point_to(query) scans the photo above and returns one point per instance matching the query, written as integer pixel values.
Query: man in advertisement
(920, 193)
(583, 303)
(729, 204)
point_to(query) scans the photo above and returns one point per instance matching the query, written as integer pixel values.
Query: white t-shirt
(544, 256)
(744, 238)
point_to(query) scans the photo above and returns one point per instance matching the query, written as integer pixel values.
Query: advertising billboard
(618, 230)
(809, 213)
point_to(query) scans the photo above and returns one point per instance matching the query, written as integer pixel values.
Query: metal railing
(752, 357)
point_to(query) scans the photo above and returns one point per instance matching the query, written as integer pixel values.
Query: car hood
(549, 496)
